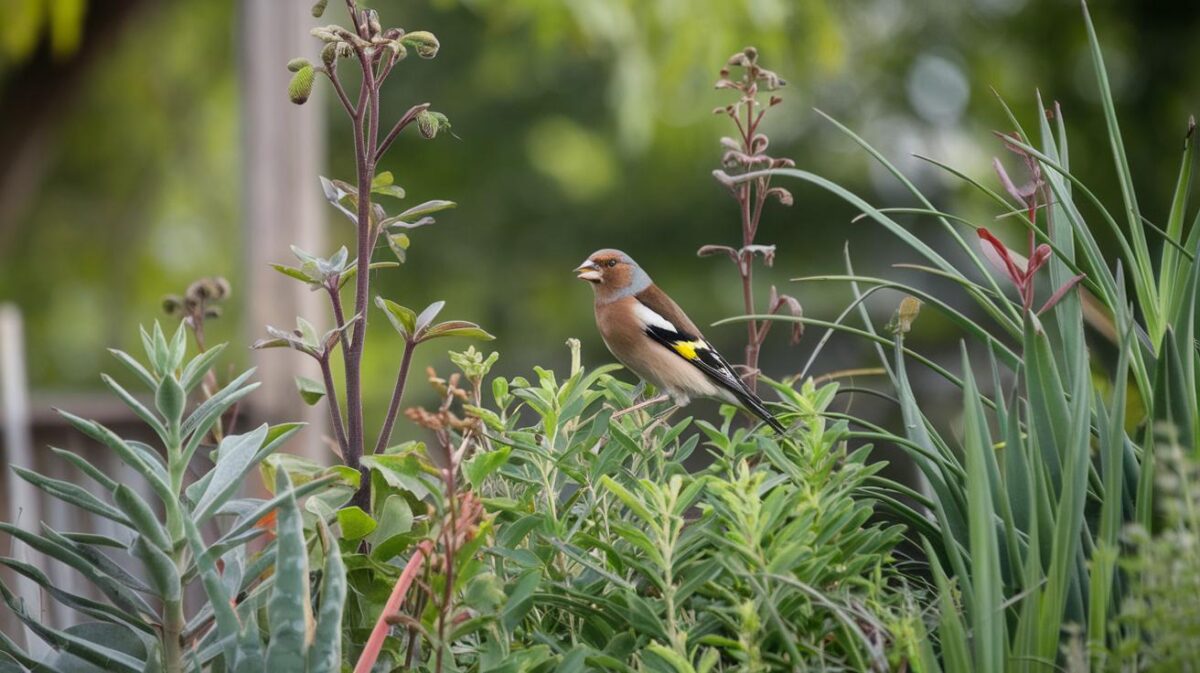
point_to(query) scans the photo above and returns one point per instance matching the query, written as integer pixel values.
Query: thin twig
(403, 122)
(331, 73)
(335, 410)
(385, 433)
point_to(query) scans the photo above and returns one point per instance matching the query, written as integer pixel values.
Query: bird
(651, 336)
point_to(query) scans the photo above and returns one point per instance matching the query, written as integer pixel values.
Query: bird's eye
(612, 263)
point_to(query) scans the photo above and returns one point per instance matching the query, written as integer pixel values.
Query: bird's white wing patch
(650, 318)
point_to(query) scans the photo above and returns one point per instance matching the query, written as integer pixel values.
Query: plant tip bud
(300, 88)
(425, 43)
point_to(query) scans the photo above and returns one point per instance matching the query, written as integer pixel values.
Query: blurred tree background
(579, 124)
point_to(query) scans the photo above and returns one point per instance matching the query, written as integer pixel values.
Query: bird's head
(613, 274)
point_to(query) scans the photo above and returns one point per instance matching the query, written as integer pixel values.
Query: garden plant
(550, 522)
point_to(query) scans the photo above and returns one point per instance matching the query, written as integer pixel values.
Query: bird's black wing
(697, 351)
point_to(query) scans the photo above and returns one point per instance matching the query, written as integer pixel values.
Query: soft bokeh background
(580, 124)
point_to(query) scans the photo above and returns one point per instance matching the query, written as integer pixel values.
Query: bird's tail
(756, 406)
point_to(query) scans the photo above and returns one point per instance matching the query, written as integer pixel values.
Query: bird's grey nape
(637, 283)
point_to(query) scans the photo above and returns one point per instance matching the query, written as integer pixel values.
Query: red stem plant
(374, 53)
(746, 153)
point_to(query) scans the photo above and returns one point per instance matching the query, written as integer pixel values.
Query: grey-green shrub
(143, 623)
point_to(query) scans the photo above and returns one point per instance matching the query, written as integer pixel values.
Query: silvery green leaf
(402, 318)
(428, 315)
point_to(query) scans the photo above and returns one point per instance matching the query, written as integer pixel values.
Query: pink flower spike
(1060, 293)
(996, 253)
(1040, 256)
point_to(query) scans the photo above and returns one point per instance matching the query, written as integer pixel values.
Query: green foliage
(142, 623)
(1164, 575)
(1028, 497)
(614, 554)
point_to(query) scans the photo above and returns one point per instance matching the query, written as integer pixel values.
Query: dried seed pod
(373, 26)
(171, 304)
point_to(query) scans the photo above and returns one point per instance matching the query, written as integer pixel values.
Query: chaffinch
(649, 334)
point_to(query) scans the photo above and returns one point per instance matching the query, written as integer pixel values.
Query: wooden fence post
(23, 500)
(283, 152)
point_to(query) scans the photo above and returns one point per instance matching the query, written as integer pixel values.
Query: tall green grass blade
(1068, 524)
(1170, 280)
(987, 615)
(1112, 446)
(951, 630)
(1050, 414)
(1143, 268)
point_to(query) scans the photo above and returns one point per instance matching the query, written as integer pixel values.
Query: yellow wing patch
(688, 348)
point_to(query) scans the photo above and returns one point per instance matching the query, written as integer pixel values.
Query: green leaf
(235, 457)
(204, 416)
(163, 574)
(349, 274)
(114, 637)
(84, 605)
(395, 191)
(484, 463)
(128, 454)
(398, 244)
(136, 367)
(383, 179)
(676, 660)
(143, 518)
(249, 520)
(416, 213)
(195, 370)
(402, 318)
(1142, 268)
(136, 406)
(325, 654)
(395, 518)
(457, 328)
(293, 272)
(109, 659)
(227, 625)
(987, 613)
(630, 500)
(355, 523)
(288, 610)
(310, 391)
(70, 493)
(428, 315)
(520, 599)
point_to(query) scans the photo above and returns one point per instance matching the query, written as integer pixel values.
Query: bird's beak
(588, 271)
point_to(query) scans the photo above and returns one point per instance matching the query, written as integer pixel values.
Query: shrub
(612, 550)
(143, 622)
